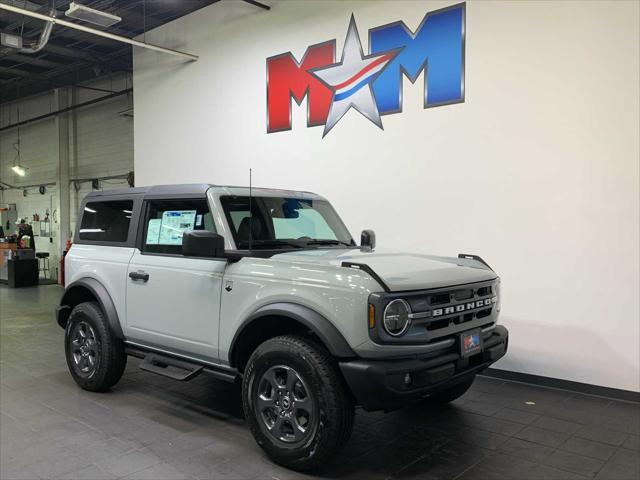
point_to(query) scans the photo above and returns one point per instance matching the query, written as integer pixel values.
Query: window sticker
(153, 231)
(173, 224)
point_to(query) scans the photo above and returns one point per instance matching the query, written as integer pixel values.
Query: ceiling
(72, 56)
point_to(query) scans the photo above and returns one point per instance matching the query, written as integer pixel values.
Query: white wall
(537, 171)
(101, 144)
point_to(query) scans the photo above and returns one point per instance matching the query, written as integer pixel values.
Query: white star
(350, 80)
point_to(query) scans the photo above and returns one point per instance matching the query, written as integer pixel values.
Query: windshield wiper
(295, 243)
(328, 242)
(274, 243)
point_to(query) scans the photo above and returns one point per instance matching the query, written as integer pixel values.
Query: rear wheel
(450, 394)
(296, 403)
(96, 359)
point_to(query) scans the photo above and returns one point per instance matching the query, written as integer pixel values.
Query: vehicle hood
(399, 271)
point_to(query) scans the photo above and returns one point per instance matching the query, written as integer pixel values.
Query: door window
(167, 220)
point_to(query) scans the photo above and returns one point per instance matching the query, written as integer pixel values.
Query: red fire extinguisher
(67, 247)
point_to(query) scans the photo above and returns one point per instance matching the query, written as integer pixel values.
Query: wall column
(62, 99)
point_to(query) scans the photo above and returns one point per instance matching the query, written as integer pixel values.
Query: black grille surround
(438, 315)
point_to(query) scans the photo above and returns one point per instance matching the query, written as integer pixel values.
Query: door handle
(139, 276)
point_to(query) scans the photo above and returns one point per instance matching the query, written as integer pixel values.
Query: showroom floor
(150, 427)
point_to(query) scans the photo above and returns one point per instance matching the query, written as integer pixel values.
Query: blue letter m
(437, 47)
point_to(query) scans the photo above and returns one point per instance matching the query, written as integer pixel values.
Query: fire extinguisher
(67, 247)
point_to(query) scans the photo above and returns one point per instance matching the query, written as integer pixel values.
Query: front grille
(439, 314)
(440, 299)
(464, 294)
(446, 312)
(457, 320)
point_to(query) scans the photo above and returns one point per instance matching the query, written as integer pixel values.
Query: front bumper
(380, 384)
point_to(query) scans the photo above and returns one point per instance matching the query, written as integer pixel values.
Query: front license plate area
(470, 343)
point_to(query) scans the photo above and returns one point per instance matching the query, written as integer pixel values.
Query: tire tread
(339, 409)
(114, 358)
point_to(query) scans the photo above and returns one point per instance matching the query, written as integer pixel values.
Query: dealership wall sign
(371, 84)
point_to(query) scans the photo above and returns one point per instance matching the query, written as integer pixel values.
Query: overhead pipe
(44, 36)
(24, 187)
(8, 186)
(66, 109)
(93, 31)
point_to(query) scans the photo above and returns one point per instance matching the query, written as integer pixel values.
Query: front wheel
(296, 403)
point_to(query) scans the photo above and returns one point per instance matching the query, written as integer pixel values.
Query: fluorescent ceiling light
(9, 40)
(19, 170)
(90, 210)
(91, 15)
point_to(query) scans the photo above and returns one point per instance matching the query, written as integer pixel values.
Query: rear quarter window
(106, 221)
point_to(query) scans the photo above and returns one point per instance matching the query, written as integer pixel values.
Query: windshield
(280, 222)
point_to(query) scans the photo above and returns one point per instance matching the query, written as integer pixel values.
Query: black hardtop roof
(178, 189)
(183, 189)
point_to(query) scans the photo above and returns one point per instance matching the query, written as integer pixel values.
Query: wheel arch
(89, 290)
(281, 319)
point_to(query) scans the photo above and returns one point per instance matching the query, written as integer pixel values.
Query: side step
(170, 367)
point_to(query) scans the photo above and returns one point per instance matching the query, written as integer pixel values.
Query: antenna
(250, 211)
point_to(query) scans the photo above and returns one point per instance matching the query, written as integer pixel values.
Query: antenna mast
(250, 211)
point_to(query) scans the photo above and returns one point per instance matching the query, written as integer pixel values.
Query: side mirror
(367, 240)
(202, 243)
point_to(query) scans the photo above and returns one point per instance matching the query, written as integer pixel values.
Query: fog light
(407, 379)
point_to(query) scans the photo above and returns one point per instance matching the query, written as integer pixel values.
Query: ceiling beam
(118, 61)
(71, 53)
(19, 59)
(15, 72)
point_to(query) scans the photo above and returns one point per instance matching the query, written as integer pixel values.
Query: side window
(167, 220)
(106, 221)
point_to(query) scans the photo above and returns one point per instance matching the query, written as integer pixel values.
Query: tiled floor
(149, 427)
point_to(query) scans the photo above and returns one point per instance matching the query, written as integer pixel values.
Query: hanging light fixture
(19, 170)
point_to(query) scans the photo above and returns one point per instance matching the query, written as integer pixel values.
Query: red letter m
(287, 78)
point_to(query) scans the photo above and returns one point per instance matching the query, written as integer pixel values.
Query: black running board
(147, 354)
(170, 367)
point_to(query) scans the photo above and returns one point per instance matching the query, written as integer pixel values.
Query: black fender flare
(102, 296)
(319, 325)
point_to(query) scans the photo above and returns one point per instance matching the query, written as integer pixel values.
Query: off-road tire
(451, 394)
(334, 413)
(110, 358)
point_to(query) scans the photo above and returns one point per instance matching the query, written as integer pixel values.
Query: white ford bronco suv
(268, 287)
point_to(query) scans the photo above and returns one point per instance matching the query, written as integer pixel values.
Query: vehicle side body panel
(178, 307)
(90, 288)
(106, 265)
(333, 293)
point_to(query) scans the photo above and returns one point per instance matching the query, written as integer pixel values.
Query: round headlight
(396, 317)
